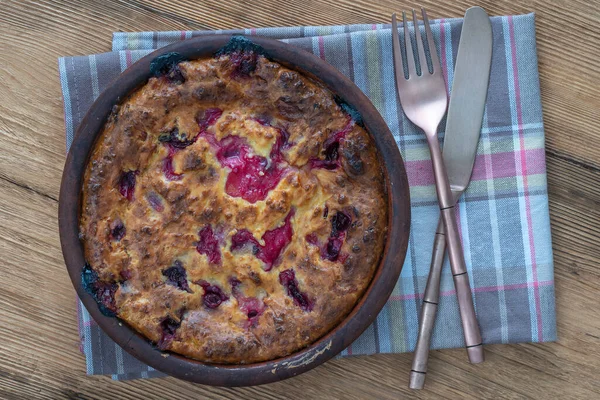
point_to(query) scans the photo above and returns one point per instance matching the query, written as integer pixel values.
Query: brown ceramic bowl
(328, 346)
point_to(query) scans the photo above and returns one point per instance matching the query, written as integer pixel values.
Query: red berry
(275, 241)
(251, 176)
(168, 170)
(208, 118)
(209, 245)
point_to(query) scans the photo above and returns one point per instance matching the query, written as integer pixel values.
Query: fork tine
(435, 62)
(396, 50)
(419, 40)
(410, 58)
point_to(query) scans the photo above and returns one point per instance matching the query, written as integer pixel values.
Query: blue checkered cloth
(503, 215)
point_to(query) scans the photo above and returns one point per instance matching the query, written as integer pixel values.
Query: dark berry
(176, 139)
(340, 223)
(212, 300)
(312, 239)
(235, 286)
(355, 163)
(105, 295)
(331, 152)
(264, 120)
(89, 277)
(169, 328)
(117, 230)
(288, 279)
(331, 148)
(177, 276)
(174, 75)
(127, 184)
(167, 65)
(155, 201)
(103, 292)
(213, 295)
(287, 276)
(332, 249)
(126, 275)
(242, 238)
(323, 164)
(243, 62)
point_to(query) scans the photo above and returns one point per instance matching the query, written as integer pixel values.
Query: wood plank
(39, 354)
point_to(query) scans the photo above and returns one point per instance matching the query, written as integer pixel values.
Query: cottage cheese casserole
(233, 210)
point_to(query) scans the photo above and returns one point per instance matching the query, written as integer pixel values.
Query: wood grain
(39, 355)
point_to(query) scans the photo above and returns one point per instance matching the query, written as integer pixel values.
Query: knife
(463, 127)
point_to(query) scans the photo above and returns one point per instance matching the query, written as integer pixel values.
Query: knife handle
(428, 311)
(463, 289)
(447, 202)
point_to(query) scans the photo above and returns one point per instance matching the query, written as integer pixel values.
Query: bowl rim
(341, 336)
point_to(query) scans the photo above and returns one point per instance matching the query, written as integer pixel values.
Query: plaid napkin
(503, 214)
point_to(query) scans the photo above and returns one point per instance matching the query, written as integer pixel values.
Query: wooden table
(39, 354)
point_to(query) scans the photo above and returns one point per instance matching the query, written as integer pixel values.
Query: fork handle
(471, 330)
(418, 370)
(429, 307)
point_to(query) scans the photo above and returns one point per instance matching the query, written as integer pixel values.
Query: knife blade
(463, 128)
(469, 92)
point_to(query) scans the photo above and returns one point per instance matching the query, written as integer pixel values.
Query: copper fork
(424, 101)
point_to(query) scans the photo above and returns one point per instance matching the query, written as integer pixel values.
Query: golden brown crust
(261, 314)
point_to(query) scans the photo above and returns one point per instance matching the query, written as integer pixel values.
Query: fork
(424, 101)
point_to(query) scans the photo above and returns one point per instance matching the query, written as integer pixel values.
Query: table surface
(39, 352)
